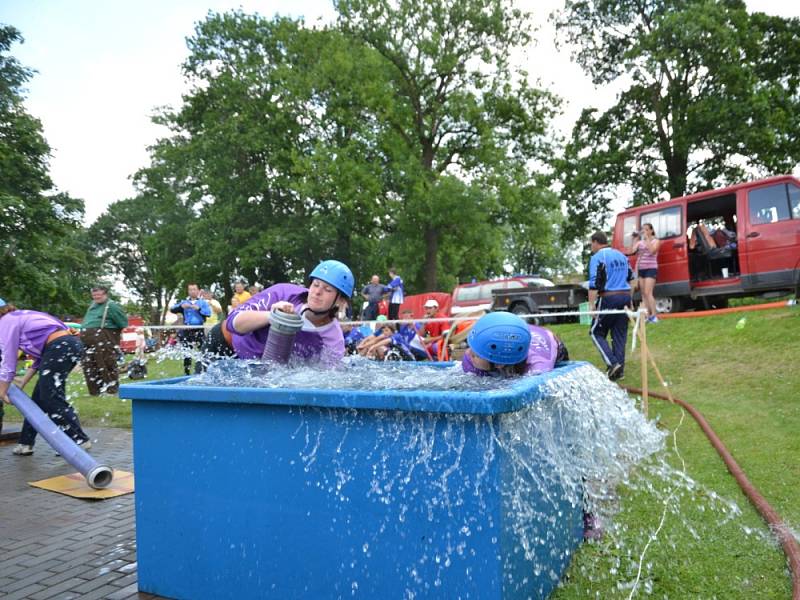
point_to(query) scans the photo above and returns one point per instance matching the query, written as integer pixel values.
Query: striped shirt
(646, 259)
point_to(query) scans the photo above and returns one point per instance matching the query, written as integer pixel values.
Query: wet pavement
(55, 546)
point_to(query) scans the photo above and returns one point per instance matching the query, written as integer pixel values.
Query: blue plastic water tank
(256, 493)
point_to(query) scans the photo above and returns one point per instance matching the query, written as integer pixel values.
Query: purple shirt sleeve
(543, 350)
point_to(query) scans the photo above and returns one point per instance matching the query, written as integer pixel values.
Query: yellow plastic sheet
(75, 485)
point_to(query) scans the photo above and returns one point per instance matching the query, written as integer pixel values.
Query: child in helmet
(502, 343)
(244, 333)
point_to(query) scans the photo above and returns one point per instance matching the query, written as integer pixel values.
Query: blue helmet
(337, 274)
(2, 302)
(501, 338)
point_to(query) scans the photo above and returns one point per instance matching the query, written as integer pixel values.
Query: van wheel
(669, 305)
(521, 309)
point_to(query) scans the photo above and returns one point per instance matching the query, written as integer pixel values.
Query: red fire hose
(781, 530)
(724, 311)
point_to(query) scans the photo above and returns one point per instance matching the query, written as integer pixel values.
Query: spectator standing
(240, 295)
(216, 308)
(101, 332)
(373, 293)
(647, 268)
(195, 311)
(609, 274)
(397, 292)
(56, 352)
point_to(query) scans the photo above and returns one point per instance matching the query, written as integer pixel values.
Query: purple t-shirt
(325, 343)
(542, 353)
(25, 330)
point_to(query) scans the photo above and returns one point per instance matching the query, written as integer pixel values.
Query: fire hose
(787, 540)
(97, 476)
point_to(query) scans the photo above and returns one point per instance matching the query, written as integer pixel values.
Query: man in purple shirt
(502, 343)
(55, 352)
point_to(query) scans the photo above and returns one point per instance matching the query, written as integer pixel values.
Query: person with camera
(645, 246)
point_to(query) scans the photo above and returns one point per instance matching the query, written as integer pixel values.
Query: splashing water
(579, 444)
(355, 373)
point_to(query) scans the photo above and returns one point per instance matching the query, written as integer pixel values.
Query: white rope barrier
(631, 314)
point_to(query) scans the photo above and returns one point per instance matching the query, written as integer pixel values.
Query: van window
(794, 200)
(666, 222)
(628, 227)
(769, 204)
(467, 294)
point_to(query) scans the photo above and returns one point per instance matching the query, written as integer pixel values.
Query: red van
(740, 240)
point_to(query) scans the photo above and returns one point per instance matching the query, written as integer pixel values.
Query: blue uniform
(397, 290)
(609, 274)
(192, 338)
(196, 315)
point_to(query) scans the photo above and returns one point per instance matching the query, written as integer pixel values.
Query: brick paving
(53, 546)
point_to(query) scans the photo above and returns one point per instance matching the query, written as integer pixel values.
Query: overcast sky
(104, 66)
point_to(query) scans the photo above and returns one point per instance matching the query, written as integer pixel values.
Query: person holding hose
(56, 352)
(646, 250)
(244, 333)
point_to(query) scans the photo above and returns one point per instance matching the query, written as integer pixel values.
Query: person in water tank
(501, 343)
(244, 333)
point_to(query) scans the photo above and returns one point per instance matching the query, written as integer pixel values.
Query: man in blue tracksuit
(609, 274)
(195, 311)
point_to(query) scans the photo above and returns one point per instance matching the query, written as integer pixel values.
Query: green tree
(41, 237)
(457, 109)
(270, 147)
(143, 240)
(710, 95)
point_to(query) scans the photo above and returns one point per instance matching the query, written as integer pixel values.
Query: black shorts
(648, 273)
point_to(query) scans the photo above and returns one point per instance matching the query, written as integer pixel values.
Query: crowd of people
(499, 344)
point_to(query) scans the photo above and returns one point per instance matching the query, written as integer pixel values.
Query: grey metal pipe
(97, 476)
(282, 329)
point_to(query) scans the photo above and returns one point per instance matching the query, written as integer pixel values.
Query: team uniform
(55, 352)
(325, 343)
(395, 286)
(609, 274)
(541, 358)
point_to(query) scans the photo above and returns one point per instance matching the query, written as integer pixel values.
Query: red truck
(741, 240)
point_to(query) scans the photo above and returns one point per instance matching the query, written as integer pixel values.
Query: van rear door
(769, 236)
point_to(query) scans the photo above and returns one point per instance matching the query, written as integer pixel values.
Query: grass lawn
(745, 381)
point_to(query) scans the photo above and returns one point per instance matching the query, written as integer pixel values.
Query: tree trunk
(431, 252)
(677, 167)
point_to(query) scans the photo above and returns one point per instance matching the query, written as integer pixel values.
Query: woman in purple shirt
(501, 343)
(244, 333)
(55, 352)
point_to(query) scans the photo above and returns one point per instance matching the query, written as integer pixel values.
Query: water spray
(282, 329)
(97, 476)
